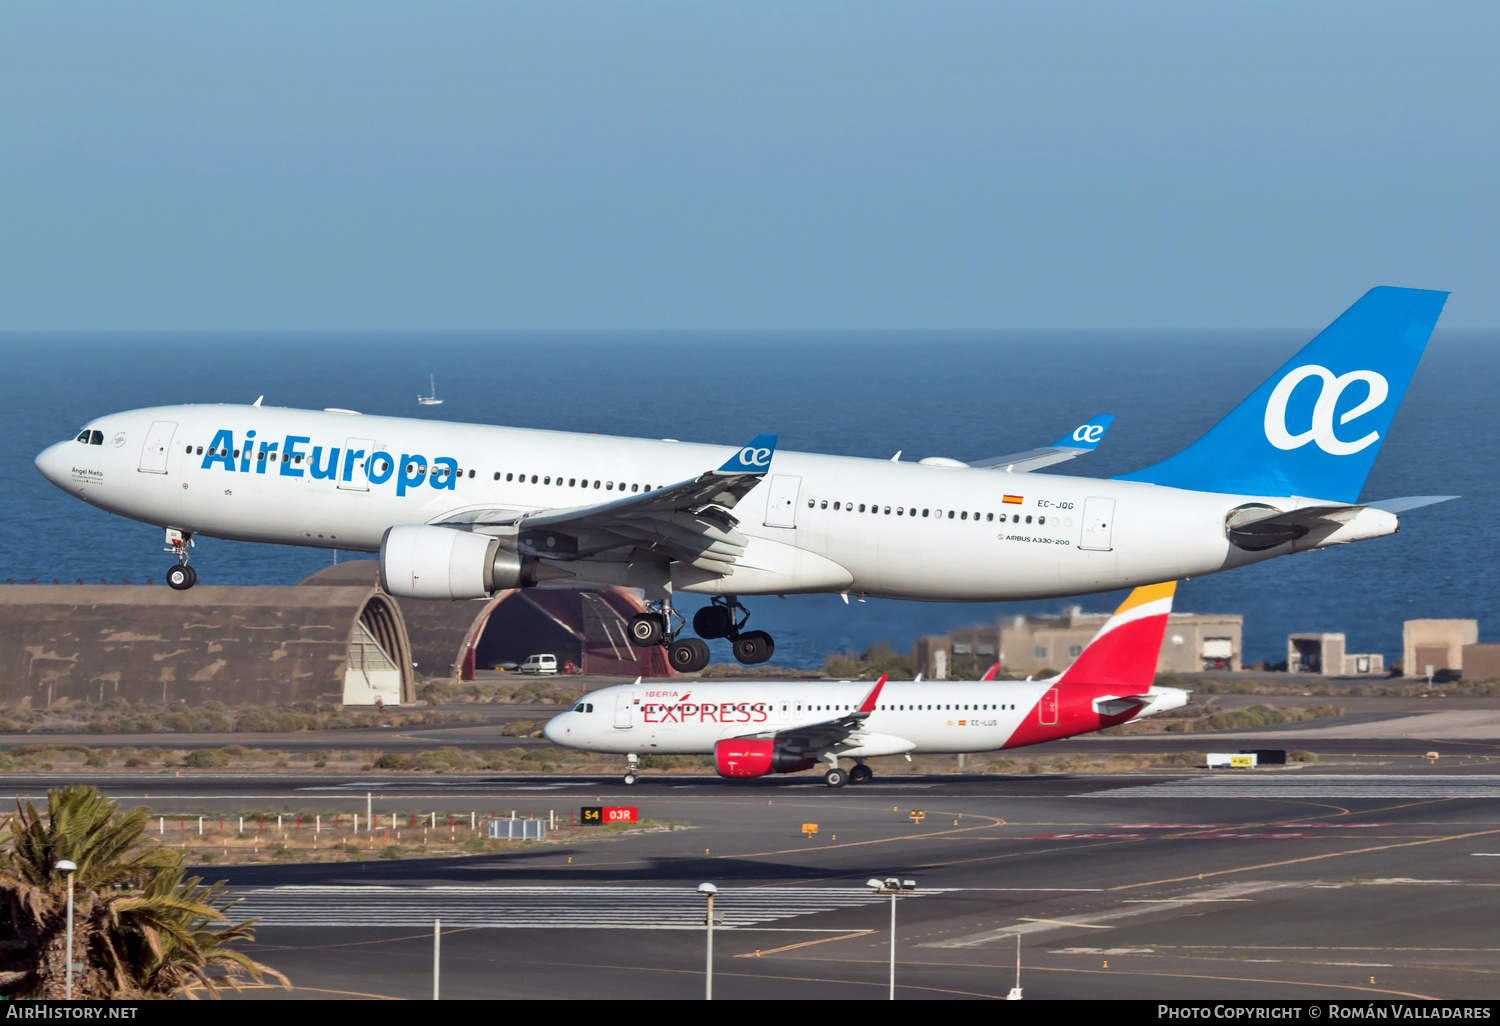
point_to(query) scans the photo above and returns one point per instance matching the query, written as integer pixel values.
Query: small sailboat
(430, 399)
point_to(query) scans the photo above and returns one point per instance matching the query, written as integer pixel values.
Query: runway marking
(1303, 787)
(1173, 976)
(804, 944)
(1223, 892)
(587, 907)
(1176, 901)
(1306, 858)
(950, 833)
(721, 974)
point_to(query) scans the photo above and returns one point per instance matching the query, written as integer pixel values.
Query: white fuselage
(815, 523)
(911, 716)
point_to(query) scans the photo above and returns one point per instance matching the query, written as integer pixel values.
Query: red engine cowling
(757, 758)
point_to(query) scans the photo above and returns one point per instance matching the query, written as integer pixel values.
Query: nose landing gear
(181, 577)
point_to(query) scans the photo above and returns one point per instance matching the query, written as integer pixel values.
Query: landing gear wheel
(713, 622)
(647, 629)
(754, 647)
(835, 777)
(688, 655)
(181, 577)
(861, 774)
(629, 780)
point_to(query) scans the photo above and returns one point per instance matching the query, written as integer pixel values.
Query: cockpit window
(96, 437)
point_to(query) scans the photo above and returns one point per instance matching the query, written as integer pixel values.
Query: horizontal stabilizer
(1084, 438)
(1410, 502)
(1256, 529)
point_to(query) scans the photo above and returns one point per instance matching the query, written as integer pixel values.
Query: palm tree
(199, 956)
(134, 913)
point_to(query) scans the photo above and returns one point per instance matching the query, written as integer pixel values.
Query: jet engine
(422, 561)
(756, 758)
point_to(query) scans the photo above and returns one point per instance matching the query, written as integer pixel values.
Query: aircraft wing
(1082, 439)
(688, 521)
(827, 733)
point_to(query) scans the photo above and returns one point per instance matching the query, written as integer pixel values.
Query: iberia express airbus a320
(460, 511)
(753, 728)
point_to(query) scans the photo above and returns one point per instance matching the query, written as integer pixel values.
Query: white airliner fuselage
(814, 523)
(755, 728)
(462, 511)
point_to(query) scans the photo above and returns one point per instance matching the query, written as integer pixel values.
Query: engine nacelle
(422, 561)
(756, 758)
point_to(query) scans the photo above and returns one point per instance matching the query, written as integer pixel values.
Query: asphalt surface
(1367, 876)
(1298, 884)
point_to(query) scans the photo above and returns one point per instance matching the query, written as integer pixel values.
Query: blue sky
(742, 165)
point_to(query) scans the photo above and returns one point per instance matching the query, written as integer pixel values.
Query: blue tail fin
(1314, 427)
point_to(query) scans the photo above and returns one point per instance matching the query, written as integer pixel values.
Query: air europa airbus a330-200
(753, 728)
(460, 511)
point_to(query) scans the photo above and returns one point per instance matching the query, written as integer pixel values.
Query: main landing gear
(836, 777)
(181, 577)
(660, 625)
(723, 618)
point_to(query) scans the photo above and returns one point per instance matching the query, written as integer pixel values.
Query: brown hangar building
(336, 637)
(452, 639)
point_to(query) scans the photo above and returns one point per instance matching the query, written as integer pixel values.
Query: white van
(541, 663)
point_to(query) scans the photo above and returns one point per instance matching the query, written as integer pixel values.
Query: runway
(1297, 884)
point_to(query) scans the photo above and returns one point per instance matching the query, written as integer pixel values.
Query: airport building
(336, 637)
(587, 627)
(1027, 645)
(87, 643)
(1324, 653)
(1438, 644)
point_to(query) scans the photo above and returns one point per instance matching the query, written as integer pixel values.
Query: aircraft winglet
(868, 705)
(1087, 435)
(1083, 439)
(754, 458)
(990, 673)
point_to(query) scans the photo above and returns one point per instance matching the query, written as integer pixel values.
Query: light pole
(708, 890)
(892, 886)
(70, 868)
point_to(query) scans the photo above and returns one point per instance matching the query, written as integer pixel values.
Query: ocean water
(964, 394)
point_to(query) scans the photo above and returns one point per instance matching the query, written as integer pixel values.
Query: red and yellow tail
(1125, 651)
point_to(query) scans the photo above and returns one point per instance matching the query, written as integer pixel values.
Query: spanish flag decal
(1015, 500)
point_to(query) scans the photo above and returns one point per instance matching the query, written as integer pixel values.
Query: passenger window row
(961, 707)
(936, 514)
(418, 469)
(572, 482)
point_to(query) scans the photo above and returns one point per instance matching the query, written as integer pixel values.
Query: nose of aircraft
(553, 731)
(53, 462)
